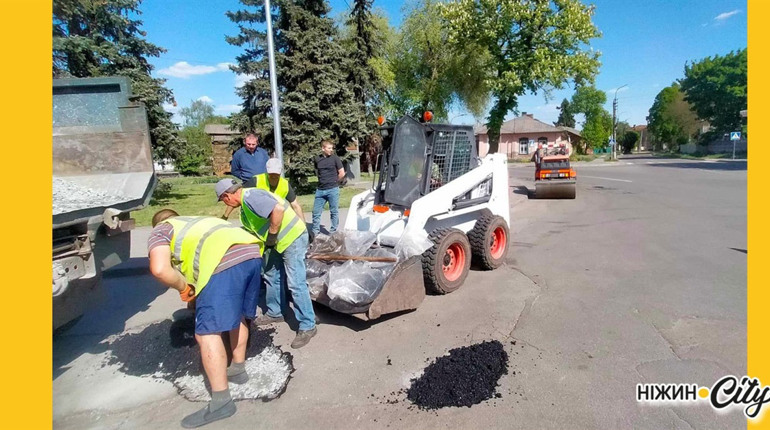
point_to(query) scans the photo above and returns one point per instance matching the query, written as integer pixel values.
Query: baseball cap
(223, 185)
(274, 166)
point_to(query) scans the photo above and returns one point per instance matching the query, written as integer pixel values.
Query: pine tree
(566, 116)
(93, 39)
(315, 99)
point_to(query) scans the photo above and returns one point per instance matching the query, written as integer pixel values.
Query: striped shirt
(162, 233)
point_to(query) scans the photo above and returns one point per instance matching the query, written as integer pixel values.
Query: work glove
(310, 236)
(187, 294)
(272, 239)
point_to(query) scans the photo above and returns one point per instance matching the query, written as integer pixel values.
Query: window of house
(543, 140)
(523, 146)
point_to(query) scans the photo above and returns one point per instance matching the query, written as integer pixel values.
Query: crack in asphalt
(682, 419)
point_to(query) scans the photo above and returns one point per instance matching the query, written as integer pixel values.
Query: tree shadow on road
(702, 165)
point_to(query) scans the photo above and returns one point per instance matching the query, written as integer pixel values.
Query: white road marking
(606, 179)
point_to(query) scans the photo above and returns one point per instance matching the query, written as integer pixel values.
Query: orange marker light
(427, 116)
(380, 120)
(380, 208)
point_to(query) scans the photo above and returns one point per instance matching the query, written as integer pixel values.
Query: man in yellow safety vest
(217, 264)
(272, 220)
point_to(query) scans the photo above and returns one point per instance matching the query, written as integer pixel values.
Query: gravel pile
(168, 350)
(465, 377)
(69, 196)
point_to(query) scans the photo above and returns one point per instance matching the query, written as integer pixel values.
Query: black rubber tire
(480, 238)
(433, 260)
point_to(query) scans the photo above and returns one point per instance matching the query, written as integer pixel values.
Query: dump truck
(436, 206)
(102, 170)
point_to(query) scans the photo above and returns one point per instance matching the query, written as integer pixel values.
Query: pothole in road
(464, 377)
(168, 350)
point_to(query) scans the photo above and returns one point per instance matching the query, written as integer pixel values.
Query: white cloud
(228, 109)
(240, 80)
(184, 70)
(723, 16)
(205, 99)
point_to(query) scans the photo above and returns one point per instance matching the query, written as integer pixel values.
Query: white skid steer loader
(433, 185)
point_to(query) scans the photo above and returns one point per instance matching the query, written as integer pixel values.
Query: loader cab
(418, 158)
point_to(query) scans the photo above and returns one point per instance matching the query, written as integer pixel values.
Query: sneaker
(303, 337)
(207, 416)
(267, 320)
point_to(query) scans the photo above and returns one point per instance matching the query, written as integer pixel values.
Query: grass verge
(195, 196)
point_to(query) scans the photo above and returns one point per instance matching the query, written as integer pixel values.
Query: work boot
(207, 416)
(267, 320)
(303, 337)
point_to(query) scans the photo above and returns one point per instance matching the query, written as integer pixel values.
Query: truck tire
(445, 265)
(489, 241)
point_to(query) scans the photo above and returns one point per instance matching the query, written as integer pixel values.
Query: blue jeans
(332, 196)
(288, 269)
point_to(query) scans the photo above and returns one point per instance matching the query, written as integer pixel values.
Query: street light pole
(451, 121)
(614, 123)
(273, 86)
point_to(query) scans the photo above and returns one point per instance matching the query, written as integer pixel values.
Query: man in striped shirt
(218, 265)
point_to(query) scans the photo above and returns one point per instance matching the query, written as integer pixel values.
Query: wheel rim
(454, 262)
(498, 243)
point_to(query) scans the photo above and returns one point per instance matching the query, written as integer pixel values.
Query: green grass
(195, 196)
(583, 157)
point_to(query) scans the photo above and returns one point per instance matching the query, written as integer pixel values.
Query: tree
(716, 87)
(628, 141)
(315, 102)
(671, 119)
(597, 126)
(198, 114)
(597, 130)
(429, 73)
(566, 115)
(93, 39)
(532, 45)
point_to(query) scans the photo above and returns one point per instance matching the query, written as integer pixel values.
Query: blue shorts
(229, 296)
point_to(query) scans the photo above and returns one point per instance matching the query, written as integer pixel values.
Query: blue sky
(645, 45)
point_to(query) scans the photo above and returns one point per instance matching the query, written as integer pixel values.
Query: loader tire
(489, 241)
(445, 265)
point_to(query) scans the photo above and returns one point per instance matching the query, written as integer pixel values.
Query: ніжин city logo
(729, 391)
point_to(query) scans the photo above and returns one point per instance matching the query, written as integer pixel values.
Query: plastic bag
(412, 243)
(385, 267)
(355, 282)
(357, 242)
(315, 268)
(325, 244)
(317, 286)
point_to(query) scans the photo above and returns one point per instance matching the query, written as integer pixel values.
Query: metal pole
(733, 149)
(273, 86)
(614, 123)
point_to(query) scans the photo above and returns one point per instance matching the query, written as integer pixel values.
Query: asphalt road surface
(641, 279)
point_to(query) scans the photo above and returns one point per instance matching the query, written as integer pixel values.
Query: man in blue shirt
(249, 160)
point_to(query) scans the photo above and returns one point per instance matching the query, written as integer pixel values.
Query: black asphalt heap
(168, 350)
(465, 377)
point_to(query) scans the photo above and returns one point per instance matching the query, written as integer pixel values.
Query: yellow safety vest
(281, 190)
(291, 226)
(199, 243)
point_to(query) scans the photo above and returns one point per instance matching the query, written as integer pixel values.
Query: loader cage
(420, 158)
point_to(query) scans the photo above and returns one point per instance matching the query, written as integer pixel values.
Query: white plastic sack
(355, 282)
(357, 242)
(413, 242)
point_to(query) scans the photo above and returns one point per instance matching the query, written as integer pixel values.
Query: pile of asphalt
(464, 377)
(168, 350)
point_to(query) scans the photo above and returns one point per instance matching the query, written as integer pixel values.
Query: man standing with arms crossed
(218, 265)
(330, 172)
(272, 220)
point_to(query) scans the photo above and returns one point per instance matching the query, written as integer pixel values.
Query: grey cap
(224, 185)
(274, 166)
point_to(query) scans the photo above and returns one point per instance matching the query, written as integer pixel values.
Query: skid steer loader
(432, 184)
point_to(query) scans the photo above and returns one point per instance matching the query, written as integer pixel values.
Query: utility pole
(614, 123)
(273, 86)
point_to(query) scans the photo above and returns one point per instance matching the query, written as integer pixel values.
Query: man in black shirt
(328, 168)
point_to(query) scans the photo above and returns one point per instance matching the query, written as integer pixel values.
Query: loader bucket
(403, 290)
(555, 189)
